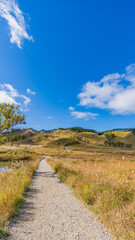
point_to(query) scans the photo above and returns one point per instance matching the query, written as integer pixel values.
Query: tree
(133, 131)
(10, 116)
(110, 137)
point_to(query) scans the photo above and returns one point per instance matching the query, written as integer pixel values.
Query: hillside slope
(63, 137)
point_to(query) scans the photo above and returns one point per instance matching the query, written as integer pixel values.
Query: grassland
(15, 158)
(102, 176)
(14, 182)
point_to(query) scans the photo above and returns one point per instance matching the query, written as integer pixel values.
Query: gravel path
(51, 212)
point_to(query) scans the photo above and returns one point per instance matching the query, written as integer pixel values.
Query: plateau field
(98, 167)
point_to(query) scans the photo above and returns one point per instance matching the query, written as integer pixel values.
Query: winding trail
(51, 212)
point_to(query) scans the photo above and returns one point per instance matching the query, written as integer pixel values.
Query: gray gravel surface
(51, 212)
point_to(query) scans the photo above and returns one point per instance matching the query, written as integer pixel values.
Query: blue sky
(69, 63)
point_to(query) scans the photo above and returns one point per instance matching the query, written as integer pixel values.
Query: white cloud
(115, 92)
(10, 11)
(5, 98)
(49, 117)
(71, 108)
(82, 115)
(26, 99)
(123, 102)
(8, 94)
(30, 92)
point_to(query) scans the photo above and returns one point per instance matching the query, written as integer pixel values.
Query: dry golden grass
(15, 158)
(103, 176)
(106, 182)
(45, 151)
(120, 134)
(57, 134)
(22, 164)
(12, 187)
(86, 138)
(91, 138)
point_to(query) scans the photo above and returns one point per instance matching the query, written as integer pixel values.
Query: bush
(15, 155)
(15, 138)
(133, 131)
(80, 129)
(64, 142)
(128, 145)
(63, 172)
(3, 140)
(109, 136)
(116, 144)
(100, 133)
(119, 144)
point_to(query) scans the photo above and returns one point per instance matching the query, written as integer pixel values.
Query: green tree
(133, 131)
(110, 137)
(10, 116)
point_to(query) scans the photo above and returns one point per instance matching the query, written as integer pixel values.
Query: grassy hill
(72, 137)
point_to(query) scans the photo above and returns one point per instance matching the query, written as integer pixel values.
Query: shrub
(119, 144)
(64, 173)
(110, 137)
(15, 155)
(128, 145)
(3, 140)
(133, 131)
(12, 139)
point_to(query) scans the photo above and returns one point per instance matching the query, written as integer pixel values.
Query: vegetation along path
(52, 212)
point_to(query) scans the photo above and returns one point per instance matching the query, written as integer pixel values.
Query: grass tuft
(3, 233)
